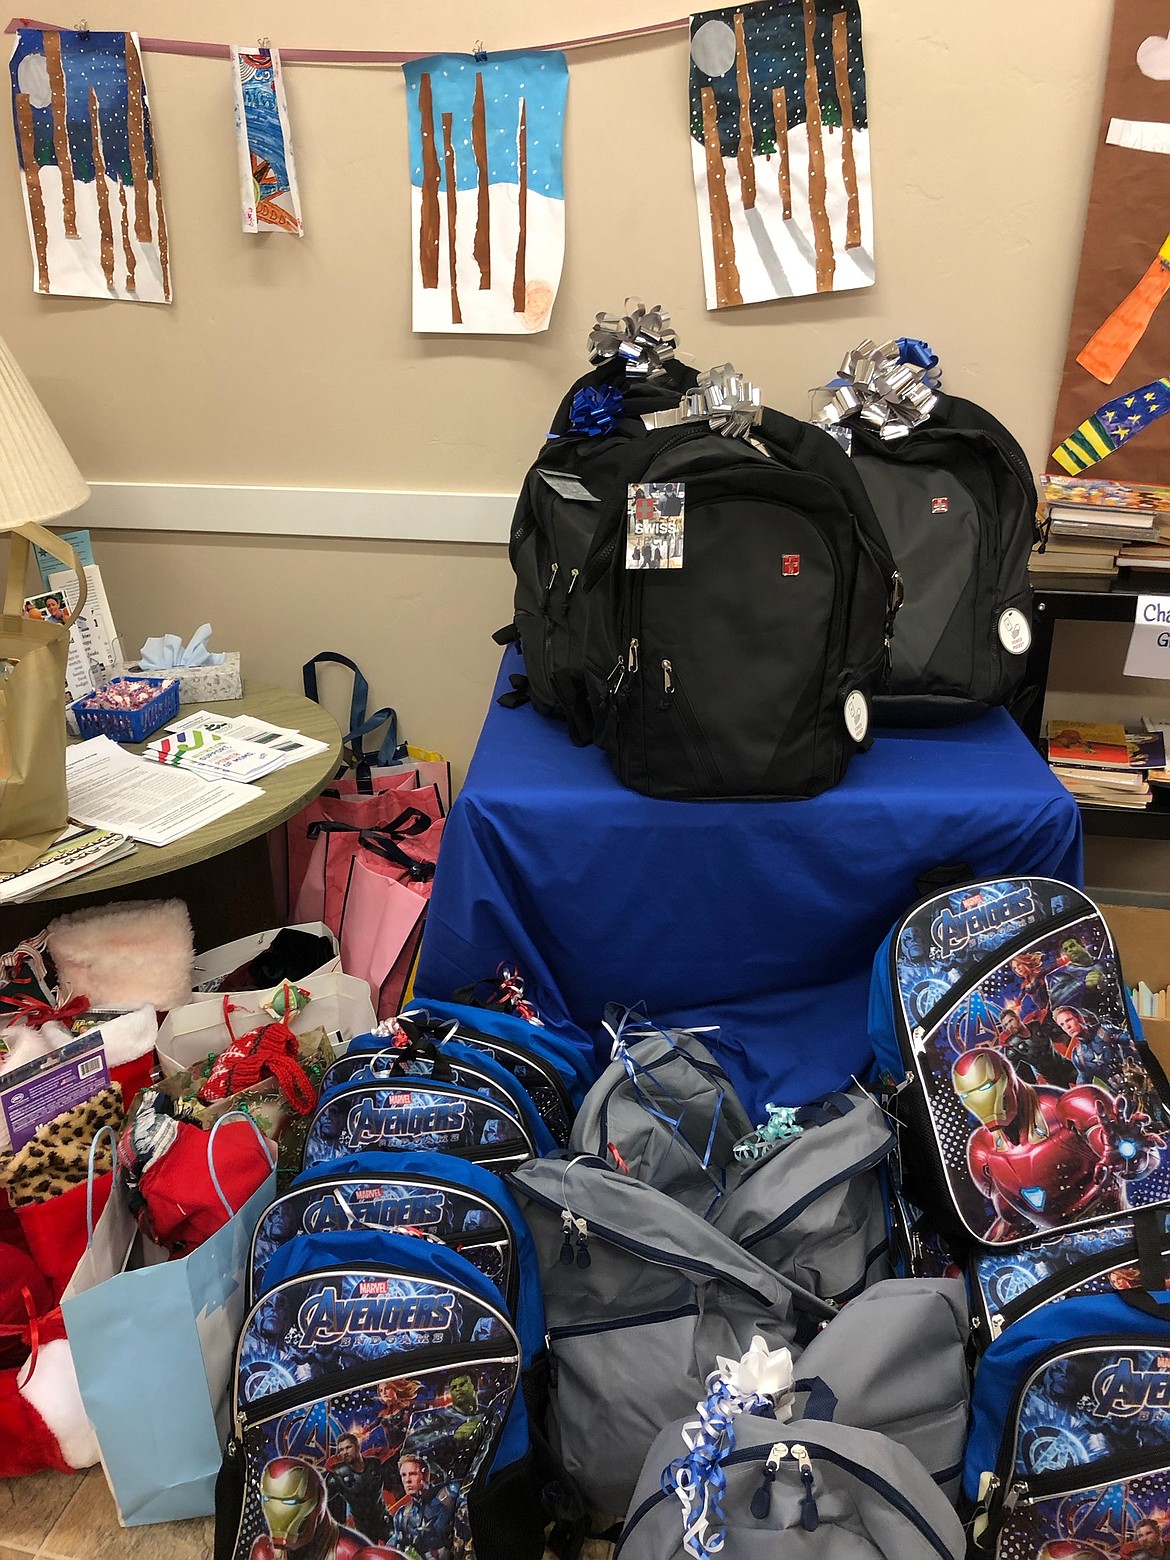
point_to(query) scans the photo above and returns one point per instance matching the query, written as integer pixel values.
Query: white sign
(1149, 644)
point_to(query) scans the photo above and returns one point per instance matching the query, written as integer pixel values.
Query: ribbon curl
(724, 398)
(595, 410)
(35, 1014)
(759, 1383)
(892, 388)
(643, 337)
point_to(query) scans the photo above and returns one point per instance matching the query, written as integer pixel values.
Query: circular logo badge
(856, 715)
(1014, 633)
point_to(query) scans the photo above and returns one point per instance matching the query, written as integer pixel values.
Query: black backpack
(957, 504)
(746, 672)
(552, 532)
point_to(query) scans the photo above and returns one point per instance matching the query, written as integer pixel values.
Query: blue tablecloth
(761, 917)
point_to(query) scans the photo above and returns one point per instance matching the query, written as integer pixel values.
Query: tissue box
(202, 684)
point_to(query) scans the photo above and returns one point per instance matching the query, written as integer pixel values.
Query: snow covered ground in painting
(75, 264)
(491, 312)
(776, 259)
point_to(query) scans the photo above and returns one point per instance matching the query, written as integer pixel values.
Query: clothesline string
(221, 51)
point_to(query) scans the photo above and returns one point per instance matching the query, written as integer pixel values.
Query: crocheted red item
(271, 1050)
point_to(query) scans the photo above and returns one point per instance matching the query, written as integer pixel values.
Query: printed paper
(487, 190)
(270, 199)
(89, 166)
(780, 150)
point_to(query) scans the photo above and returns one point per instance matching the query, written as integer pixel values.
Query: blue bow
(595, 410)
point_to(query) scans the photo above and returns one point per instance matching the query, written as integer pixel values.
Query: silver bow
(722, 397)
(643, 337)
(888, 395)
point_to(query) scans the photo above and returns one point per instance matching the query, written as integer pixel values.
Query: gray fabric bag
(641, 1294)
(834, 1493)
(895, 1360)
(811, 1208)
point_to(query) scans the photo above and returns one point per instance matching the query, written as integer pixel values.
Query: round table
(222, 870)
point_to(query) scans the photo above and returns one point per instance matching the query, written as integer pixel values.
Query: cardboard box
(1143, 940)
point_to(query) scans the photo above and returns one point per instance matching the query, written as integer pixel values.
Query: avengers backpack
(416, 1112)
(1069, 1452)
(1005, 1036)
(377, 1410)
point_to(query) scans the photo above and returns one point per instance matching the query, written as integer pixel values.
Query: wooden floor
(72, 1517)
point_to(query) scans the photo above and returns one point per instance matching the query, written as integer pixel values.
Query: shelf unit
(1055, 600)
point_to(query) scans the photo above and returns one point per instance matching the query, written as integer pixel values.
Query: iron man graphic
(1046, 1157)
(300, 1527)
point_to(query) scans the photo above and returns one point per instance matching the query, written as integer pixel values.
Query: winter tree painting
(487, 190)
(780, 149)
(89, 166)
(269, 197)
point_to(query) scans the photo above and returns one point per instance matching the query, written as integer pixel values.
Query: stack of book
(1149, 1003)
(1103, 764)
(1096, 527)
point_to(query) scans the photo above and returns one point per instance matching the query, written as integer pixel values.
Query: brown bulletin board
(1128, 222)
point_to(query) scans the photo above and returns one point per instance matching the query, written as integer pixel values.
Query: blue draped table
(760, 917)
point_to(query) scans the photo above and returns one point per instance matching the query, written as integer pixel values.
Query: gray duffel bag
(641, 1295)
(666, 1113)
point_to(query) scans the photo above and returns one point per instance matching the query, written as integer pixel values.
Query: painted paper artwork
(89, 166)
(270, 200)
(487, 190)
(780, 150)
(1114, 392)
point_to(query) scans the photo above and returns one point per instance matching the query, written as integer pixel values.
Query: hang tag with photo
(655, 516)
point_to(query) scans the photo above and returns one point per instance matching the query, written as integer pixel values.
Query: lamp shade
(38, 479)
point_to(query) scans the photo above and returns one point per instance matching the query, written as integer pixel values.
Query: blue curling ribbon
(595, 410)
(700, 1479)
(912, 350)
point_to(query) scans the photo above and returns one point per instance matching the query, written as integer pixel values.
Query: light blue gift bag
(152, 1343)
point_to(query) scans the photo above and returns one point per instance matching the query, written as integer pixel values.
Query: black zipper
(748, 1454)
(485, 1087)
(1057, 1284)
(549, 1073)
(647, 1319)
(674, 699)
(674, 1259)
(1108, 1470)
(509, 1234)
(421, 1361)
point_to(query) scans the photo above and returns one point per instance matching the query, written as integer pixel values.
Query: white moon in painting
(713, 48)
(32, 76)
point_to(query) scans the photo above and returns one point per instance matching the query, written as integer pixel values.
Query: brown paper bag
(33, 803)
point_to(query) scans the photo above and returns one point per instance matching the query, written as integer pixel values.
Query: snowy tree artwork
(487, 190)
(780, 150)
(89, 166)
(269, 197)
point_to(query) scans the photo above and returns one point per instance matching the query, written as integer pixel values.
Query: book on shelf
(1144, 555)
(1078, 494)
(1104, 527)
(1087, 744)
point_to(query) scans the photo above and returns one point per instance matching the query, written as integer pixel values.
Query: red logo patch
(939, 506)
(791, 563)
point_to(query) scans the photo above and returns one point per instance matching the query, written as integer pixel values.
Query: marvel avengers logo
(1121, 1391)
(952, 930)
(329, 1317)
(420, 1209)
(368, 1123)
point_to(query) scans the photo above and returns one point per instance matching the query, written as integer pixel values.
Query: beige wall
(292, 363)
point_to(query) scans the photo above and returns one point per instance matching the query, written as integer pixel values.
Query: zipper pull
(548, 589)
(584, 1260)
(617, 677)
(667, 685)
(632, 657)
(1015, 1494)
(566, 1254)
(573, 576)
(810, 1517)
(762, 1499)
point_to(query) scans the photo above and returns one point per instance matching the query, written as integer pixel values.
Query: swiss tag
(655, 515)
(567, 486)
